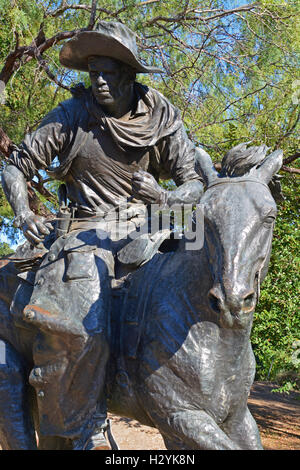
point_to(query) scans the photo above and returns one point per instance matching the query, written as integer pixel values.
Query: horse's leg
(194, 430)
(16, 426)
(172, 443)
(242, 429)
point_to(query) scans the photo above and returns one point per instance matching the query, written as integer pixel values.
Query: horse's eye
(269, 220)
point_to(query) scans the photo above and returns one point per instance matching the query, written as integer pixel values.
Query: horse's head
(239, 216)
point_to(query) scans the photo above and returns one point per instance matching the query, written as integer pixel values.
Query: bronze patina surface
(137, 323)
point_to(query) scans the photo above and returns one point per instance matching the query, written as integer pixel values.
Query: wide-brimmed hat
(109, 39)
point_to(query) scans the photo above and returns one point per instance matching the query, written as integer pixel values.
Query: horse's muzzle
(232, 306)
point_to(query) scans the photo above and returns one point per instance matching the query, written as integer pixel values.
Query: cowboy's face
(107, 80)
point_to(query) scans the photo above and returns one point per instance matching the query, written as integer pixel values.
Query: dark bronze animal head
(239, 216)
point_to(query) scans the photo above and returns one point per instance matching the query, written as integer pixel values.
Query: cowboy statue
(113, 142)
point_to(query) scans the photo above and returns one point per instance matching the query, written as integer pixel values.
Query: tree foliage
(276, 325)
(229, 66)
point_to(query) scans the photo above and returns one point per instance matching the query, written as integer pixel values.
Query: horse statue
(181, 357)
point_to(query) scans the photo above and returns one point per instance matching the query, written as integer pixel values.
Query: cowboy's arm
(36, 151)
(147, 189)
(15, 189)
(178, 160)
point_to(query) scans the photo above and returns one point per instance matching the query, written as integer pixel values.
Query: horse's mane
(239, 160)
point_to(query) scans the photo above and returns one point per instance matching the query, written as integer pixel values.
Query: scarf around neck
(152, 119)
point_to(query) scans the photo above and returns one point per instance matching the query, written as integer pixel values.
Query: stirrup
(101, 439)
(110, 437)
(97, 441)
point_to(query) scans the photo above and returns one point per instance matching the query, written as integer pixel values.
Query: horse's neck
(193, 268)
(183, 279)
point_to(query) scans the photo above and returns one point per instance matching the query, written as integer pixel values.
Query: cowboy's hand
(146, 188)
(34, 227)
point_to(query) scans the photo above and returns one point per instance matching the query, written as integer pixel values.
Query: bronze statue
(113, 141)
(91, 319)
(181, 357)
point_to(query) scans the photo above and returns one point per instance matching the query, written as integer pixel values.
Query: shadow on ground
(277, 416)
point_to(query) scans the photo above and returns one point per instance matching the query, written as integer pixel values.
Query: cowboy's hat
(110, 39)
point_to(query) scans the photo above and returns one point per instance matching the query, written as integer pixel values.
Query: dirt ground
(277, 416)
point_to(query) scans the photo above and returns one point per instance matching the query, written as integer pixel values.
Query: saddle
(142, 249)
(134, 255)
(130, 294)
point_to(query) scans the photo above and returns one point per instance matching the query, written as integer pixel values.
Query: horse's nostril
(249, 301)
(233, 303)
(214, 301)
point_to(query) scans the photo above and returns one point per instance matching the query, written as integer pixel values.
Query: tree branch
(147, 2)
(6, 148)
(61, 10)
(289, 131)
(88, 8)
(223, 13)
(10, 64)
(93, 14)
(42, 190)
(207, 124)
(34, 50)
(44, 65)
(6, 145)
(183, 15)
(35, 204)
(291, 158)
(59, 37)
(288, 169)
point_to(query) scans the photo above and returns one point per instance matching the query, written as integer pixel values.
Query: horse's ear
(270, 166)
(204, 166)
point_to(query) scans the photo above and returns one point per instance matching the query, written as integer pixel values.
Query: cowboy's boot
(100, 438)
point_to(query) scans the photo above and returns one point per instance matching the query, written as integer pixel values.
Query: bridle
(230, 180)
(237, 179)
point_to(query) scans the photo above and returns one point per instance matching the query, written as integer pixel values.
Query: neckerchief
(152, 119)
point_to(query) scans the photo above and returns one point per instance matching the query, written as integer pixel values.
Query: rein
(236, 180)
